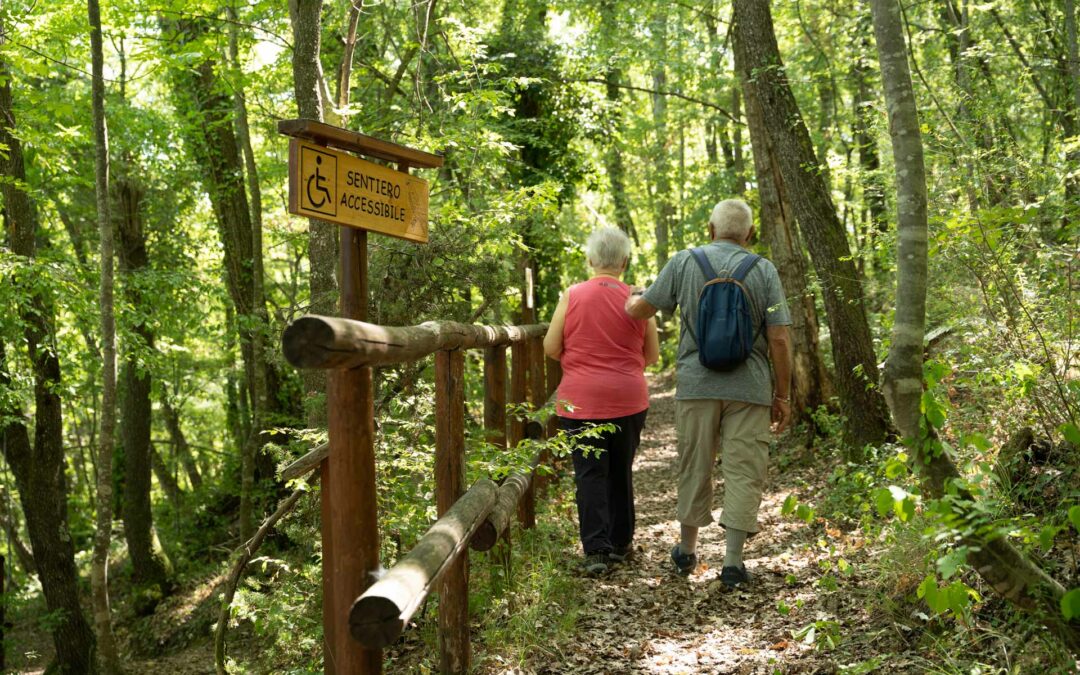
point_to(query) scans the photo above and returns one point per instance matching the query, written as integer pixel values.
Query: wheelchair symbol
(320, 187)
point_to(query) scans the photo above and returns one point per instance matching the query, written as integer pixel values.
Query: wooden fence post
(449, 486)
(519, 366)
(349, 517)
(495, 395)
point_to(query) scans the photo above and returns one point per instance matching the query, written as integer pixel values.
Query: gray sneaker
(595, 564)
(735, 577)
(684, 562)
(621, 554)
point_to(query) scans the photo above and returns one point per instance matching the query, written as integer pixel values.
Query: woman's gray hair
(607, 247)
(731, 219)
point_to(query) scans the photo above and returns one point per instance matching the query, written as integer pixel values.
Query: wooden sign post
(337, 187)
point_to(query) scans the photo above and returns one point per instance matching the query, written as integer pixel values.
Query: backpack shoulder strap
(745, 266)
(703, 262)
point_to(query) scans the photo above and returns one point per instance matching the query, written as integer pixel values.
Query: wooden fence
(477, 517)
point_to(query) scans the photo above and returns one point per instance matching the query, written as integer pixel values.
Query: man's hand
(781, 415)
(637, 307)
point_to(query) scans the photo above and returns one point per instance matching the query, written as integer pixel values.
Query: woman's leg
(624, 444)
(591, 480)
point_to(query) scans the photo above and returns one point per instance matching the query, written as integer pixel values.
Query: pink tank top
(603, 358)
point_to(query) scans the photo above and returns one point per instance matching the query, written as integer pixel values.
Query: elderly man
(733, 408)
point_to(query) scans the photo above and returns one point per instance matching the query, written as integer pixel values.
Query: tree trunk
(781, 232)
(99, 568)
(11, 529)
(209, 110)
(852, 344)
(165, 479)
(1072, 78)
(150, 565)
(613, 158)
(39, 467)
(663, 208)
(866, 144)
(1007, 570)
(258, 386)
(180, 445)
(322, 236)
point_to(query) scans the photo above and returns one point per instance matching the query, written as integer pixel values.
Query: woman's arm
(652, 343)
(553, 340)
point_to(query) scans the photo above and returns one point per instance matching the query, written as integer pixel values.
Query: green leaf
(883, 501)
(789, 505)
(804, 513)
(1046, 537)
(1070, 604)
(932, 408)
(1071, 433)
(1074, 516)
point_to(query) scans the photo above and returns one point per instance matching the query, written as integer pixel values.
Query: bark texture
(99, 567)
(322, 236)
(150, 565)
(781, 233)
(209, 111)
(38, 466)
(852, 344)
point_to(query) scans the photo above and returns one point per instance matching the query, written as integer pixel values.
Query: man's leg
(623, 446)
(591, 481)
(696, 424)
(745, 431)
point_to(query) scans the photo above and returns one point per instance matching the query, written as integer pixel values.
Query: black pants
(605, 483)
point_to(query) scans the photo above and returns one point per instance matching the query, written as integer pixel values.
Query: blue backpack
(725, 318)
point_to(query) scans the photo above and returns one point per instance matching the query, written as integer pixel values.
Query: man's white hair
(607, 247)
(731, 219)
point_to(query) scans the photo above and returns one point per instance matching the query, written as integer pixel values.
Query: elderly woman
(603, 353)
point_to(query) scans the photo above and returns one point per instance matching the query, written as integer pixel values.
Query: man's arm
(638, 307)
(780, 355)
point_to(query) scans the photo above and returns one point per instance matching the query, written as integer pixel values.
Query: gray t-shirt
(680, 283)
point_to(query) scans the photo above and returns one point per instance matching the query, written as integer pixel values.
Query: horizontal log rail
(502, 512)
(325, 342)
(475, 519)
(378, 617)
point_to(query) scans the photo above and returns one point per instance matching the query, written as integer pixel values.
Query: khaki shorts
(742, 429)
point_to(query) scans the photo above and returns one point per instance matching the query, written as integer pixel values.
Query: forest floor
(824, 598)
(643, 618)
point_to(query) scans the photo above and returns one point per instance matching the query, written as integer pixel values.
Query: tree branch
(660, 92)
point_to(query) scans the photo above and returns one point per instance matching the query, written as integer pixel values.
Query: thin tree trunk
(344, 83)
(1072, 78)
(150, 565)
(258, 386)
(213, 143)
(165, 478)
(322, 236)
(1007, 570)
(99, 569)
(11, 528)
(664, 210)
(39, 467)
(785, 245)
(852, 344)
(180, 444)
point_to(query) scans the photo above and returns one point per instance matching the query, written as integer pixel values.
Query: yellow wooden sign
(340, 188)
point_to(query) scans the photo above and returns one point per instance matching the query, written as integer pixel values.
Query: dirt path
(645, 619)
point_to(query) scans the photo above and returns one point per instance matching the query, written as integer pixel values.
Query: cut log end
(302, 341)
(485, 537)
(375, 622)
